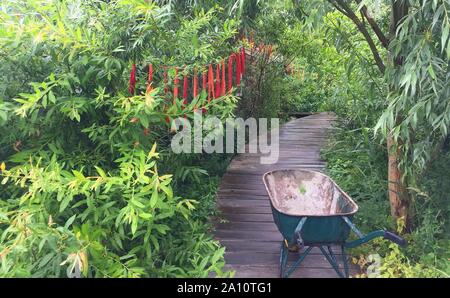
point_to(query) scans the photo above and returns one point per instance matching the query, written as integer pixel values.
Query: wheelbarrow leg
(333, 257)
(283, 258)
(297, 263)
(345, 261)
(332, 260)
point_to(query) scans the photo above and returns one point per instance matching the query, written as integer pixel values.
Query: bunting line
(216, 79)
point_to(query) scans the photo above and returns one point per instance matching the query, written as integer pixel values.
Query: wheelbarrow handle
(394, 238)
(376, 234)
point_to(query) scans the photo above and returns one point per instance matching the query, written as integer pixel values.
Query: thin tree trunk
(398, 195)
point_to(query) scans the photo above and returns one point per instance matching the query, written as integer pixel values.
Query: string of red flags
(217, 79)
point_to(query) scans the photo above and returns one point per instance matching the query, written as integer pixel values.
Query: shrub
(89, 187)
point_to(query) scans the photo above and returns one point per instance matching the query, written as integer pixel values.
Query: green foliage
(89, 185)
(85, 192)
(357, 163)
(395, 264)
(108, 212)
(418, 110)
(312, 69)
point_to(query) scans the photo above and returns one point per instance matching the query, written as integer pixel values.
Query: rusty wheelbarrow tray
(310, 210)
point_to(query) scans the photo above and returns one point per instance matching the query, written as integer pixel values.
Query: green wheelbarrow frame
(322, 231)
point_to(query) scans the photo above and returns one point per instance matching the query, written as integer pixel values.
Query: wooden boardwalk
(245, 226)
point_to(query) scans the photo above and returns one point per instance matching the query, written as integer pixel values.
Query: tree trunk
(398, 195)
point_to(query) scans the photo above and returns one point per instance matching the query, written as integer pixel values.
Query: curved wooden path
(245, 226)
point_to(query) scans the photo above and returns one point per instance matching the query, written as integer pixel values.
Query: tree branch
(347, 11)
(381, 36)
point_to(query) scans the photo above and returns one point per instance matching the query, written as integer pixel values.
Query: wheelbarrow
(310, 210)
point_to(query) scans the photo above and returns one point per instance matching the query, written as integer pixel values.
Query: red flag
(217, 81)
(185, 89)
(210, 82)
(176, 81)
(222, 92)
(238, 69)
(195, 91)
(204, 86)
(132, 84)
(230, 72)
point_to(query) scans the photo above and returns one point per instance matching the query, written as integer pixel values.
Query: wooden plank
(246, 210)
(258, 258)
(243, 203)
(239, 245)
(249, 192)
(247, 217)
(247, 226)
(243, 195)
(244, 185)
(249, 235)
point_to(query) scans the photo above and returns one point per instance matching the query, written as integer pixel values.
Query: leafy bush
(89, 187)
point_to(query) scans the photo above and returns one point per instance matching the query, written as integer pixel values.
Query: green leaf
(100, 172)
(138, 204)
(44, 101)
(167, 190)
(46, 259)
(145, 215)
(70, 221)
(134, 225)
(431, 72)
(444, 37)
(154, 198)
(65, 202)
(78, 175)
(144, 121)
(51, 97)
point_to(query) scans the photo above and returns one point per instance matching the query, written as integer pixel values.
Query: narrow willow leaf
(70, 221)
(154, 198)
